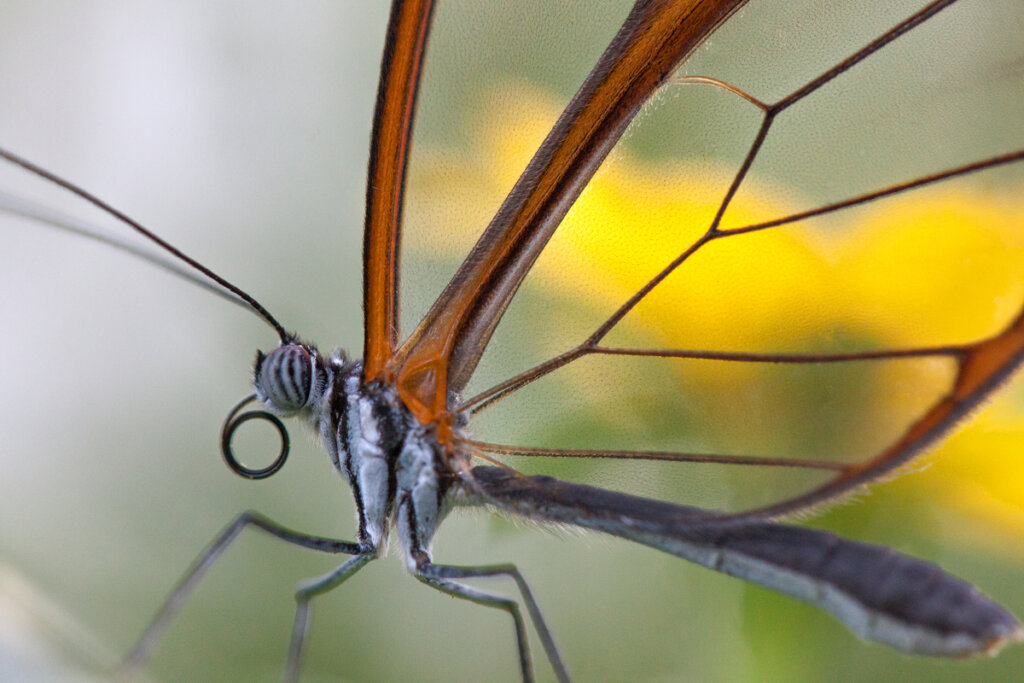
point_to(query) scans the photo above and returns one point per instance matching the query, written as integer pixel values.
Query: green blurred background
(239, 131)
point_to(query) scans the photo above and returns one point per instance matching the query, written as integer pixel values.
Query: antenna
(247, 299)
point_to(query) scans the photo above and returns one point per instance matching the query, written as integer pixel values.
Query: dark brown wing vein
(665, 456)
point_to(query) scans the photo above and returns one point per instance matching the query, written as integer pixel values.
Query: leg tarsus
(303, 605)
(464, 592)
(431, 573)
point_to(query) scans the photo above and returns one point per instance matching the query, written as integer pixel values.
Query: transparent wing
(725, 301)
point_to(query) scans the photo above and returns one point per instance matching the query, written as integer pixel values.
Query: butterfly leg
(443, 578)
(303, 599)
(147, 642)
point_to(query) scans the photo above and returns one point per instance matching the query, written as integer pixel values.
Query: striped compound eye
(284, 378)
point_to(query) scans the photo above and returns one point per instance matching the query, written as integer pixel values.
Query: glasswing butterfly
(179, 502)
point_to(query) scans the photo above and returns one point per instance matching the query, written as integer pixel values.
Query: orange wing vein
(404, 51)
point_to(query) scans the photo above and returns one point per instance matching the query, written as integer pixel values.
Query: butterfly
(184, 498)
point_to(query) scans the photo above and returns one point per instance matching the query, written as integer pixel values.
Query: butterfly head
(289, 379)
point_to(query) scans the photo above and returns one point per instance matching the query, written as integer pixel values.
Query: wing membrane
(951, 374)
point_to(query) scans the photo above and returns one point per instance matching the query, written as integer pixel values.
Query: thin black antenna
(43, 215)
(254, 305)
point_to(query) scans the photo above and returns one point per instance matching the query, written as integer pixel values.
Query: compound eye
(284, 378)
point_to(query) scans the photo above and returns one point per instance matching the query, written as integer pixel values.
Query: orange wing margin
(444, 350)
(393, 117)
(981, 367)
